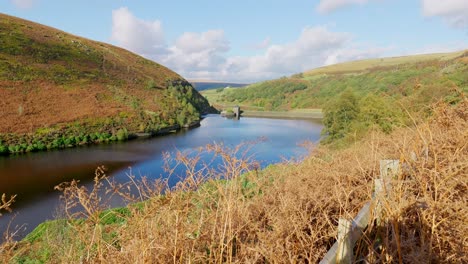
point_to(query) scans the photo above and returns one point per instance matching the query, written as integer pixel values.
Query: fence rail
(350, 231)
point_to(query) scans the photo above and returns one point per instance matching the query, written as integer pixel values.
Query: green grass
(357, 66)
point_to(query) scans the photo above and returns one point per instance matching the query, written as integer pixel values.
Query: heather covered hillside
(62, 90)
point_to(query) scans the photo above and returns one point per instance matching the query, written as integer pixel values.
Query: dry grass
(287, 213)
(5, 203)
(426, 215)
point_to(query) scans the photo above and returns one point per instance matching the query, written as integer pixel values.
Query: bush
(151, 84)
(3, 149)
(380, 111)
(122, 134)
(339, 115)
(181, 119)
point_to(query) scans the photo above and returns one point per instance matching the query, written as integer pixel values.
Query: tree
(339, 114)
(378, 110)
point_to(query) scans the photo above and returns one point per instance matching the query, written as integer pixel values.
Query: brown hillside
(49, 77)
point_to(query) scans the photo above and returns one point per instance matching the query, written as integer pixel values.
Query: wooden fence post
(345, 247)
(383, 185)
(351, 231)
(378, 196)
(388, 169)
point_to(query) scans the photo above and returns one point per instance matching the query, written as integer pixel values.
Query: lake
(33, 176)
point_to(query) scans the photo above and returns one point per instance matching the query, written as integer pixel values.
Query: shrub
(3, 149)
(151, 84)
(122, 134)
(339, 115)
(378, 110)
(181, 119)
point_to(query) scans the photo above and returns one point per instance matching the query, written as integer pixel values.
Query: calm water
(33, 176)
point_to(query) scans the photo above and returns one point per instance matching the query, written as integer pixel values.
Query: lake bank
(55, 138)
(317, 114)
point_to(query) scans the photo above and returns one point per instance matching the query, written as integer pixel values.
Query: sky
(253, 40)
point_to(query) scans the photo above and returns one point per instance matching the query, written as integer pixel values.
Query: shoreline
(278, 114)
(130, 136)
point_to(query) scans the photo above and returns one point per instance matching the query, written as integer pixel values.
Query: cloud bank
(23, 4)
(143, 37)
(204, 55)
(455, 12)
(327, 6)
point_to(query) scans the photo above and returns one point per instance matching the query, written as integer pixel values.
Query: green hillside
(379, 91)
(362, 65)
(63, 90)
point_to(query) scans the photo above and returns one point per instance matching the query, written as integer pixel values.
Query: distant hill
(380, 63)
(419, 75)
(57, 85)
(206, 85)
(358, 96)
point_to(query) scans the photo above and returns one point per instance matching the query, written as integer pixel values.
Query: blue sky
(253, 40)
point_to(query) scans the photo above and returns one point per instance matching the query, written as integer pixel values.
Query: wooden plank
(330, 257)
(360, 222)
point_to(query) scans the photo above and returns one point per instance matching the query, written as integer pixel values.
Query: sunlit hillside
(64, 90)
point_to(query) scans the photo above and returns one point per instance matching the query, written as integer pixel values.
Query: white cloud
(23, 4)
(327, 6)
(437, 48)
(315, 47)
(311, 49)
(191, 51)
(197, 51)
(261, 45)
(212, 40)
(140, 36)
(205, 55)
(356, 52)
(455, 12)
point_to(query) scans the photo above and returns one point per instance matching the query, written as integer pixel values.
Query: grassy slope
(362, 65)
(53, 80)
(399, 77)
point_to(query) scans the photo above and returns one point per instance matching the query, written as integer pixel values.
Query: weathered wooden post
(344, 253)
(388, 169)
(383, 186)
